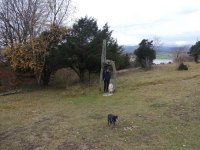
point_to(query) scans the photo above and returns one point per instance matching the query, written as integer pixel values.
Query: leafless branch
(22, 20)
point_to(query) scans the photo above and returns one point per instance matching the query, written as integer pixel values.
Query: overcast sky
(173, 21)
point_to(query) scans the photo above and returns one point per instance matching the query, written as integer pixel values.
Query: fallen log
(10, 92)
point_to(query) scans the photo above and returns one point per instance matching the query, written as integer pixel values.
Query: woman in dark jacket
(106, 79)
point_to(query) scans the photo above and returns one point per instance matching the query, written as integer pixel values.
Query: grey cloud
(186, 11)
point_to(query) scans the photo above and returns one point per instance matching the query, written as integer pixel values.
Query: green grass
(164, 55)
(158, 110)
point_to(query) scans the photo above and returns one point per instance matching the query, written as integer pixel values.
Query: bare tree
(21, 23)
(180, 55)
(23, 20)
(20, 20)
(59, 10)
(157, 43)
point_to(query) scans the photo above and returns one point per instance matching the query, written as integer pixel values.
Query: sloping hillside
(158, 109)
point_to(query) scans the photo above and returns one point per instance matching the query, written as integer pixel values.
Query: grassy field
(165, 55)
(158, 110)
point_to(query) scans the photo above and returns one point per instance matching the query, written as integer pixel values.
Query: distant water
(159, 61)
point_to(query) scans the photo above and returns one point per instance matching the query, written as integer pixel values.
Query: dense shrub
(195, 51)
(182, 67)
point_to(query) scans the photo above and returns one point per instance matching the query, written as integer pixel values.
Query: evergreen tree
(145, 53)
(195, 51)
(84, 45)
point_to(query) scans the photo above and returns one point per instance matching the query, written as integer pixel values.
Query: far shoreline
(162, 61)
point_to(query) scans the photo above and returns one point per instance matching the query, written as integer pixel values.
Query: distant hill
(172, 48)
(165, 48)
(129, 49)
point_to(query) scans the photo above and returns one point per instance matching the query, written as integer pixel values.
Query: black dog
(112, 119)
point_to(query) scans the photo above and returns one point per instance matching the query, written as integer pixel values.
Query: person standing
(106, 79)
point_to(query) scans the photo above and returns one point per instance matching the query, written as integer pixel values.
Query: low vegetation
(182, 66)
(157, 109)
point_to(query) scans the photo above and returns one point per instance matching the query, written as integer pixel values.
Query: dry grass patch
(157, 109)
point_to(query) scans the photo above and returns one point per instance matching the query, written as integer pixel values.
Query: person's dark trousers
(106, 84)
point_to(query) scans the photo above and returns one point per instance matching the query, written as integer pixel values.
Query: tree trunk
(82, 76)
(89, 76)
(46, 77)
(39, 77)
(196, 57)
